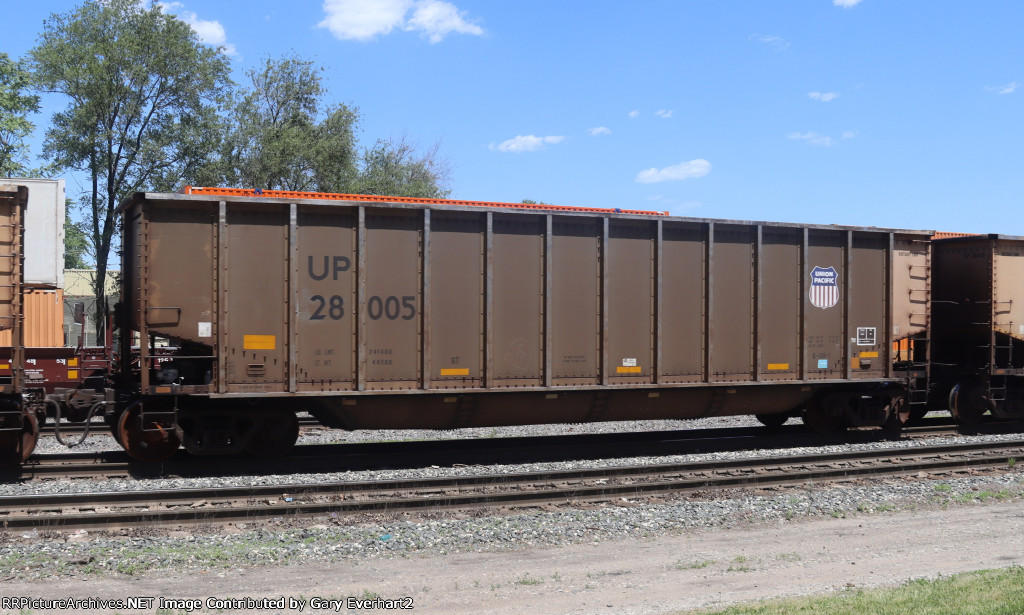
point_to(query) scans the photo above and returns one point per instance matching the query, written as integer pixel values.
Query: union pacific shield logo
(824, 291)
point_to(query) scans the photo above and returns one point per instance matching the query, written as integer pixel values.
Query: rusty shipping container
(43, 322)
(978, 348)
(378, 314)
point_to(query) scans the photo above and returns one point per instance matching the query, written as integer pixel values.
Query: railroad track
(233, 505)
(377, 455)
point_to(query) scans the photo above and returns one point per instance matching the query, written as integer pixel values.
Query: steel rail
(171, 507)
(347, 456)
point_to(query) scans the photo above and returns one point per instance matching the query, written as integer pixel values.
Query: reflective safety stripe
(259, 342)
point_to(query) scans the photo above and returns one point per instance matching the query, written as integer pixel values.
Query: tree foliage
(76, 242)
(142, 105)
(396, 168)
(15, 107)
(282, 137)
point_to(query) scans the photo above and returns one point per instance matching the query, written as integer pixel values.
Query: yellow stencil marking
(636, 369)
(259, 342)
(455, 371)
(778, 366)
(869, 355)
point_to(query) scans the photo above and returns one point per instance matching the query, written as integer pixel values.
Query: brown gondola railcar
(978, 312)
(379, 312)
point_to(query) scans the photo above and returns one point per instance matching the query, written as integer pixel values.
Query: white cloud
(683, 170)
(663, 113)
(777, 42)
(846, 4)
(363, 20)
(210, 32)
(525, 143)
(633, 114)
(436, 19)
(1009, 88)
(599, 130)
(823, 96)
(811, 137)
(849, 134)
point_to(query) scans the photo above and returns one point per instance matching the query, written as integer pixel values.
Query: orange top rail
(949, 235)
(329, 196)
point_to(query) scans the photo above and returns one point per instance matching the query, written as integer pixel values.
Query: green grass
(989, 592)
(692, 565)
(526, 579)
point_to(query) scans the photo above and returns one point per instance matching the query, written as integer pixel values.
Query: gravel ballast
(45, 553)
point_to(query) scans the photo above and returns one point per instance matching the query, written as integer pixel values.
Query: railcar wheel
(774, 421)
(17, 444)
(967, 403)
(818, 418)
(897, 417)
(277, 436)
(153, 441)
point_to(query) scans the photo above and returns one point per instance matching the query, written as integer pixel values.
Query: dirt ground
(657, 575)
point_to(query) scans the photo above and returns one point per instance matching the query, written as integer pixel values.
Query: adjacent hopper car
(381, 312)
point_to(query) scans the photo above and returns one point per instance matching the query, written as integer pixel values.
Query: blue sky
(870, 113)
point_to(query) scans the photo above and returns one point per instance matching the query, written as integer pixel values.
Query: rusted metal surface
(596, 316)
(13, 203)
(43, 311)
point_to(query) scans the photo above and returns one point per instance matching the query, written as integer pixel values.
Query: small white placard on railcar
(866, 336)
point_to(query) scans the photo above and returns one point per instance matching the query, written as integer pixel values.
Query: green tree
(15, 106)
(395, 168)
(142, 106)
(76, 242)
(283, 137)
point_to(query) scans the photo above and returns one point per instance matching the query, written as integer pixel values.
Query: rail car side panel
(684, 273)
(629, 287)
(177, 240)
(256, 276)
(912, 286)
(825, 305)
(392, 304)
(575, 301)
(779, 296)
(326, 309)
(455, 341)
(732, 311)
(517, 301)
(962, 307)
(868, 345)
(1008, 288)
